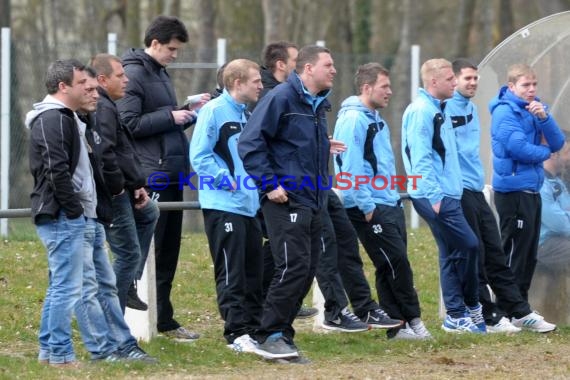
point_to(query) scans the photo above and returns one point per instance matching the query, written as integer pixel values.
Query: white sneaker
(244, 343)
(503, 326)
(406, 333)
(533, 322)
(417, 325)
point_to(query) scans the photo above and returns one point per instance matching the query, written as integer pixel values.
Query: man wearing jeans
(134, 214)
(62, 197)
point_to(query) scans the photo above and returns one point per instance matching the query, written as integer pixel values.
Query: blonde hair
(238, 69)
(431, 69)
(518, 70)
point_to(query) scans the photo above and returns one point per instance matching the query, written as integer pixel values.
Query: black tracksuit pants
(493, 269)
(235, 247)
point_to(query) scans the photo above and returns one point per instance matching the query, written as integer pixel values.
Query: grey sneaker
(417, 325)
(378, 319)
(276, 347)
(243, 343)
(306, 312)
(347, 322)
(136, 353)
(181, 335)
(405, 333)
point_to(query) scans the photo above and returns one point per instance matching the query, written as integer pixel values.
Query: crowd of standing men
(102, 130)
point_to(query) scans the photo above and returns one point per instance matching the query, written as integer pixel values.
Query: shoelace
(477, 315)
(347, 313)
(420, 329)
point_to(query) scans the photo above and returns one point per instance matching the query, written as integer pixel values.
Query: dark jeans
(294, 232)
(235, 247)
(129, 237)
(166, 249)
(493, 269)
(458, 254)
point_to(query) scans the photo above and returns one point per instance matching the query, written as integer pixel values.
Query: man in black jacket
(134, 214)
(149, 110)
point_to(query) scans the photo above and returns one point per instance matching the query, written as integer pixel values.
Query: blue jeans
(99, 315)
(63, 239)
(458, 254)
(129, 237)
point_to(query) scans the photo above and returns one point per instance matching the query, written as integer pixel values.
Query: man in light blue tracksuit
(429, 150)
(523, 136)
(229, 204)
(375, 210)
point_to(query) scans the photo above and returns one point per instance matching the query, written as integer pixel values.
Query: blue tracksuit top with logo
(368, 153)
(555, 220)
(429, 150)
(516, 137)
(465, 121)
(214, 157)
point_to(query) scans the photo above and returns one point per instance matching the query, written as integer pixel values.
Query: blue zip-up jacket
(214, 157)
(368, 153)
(516, 142)
(465, 122)
(286, 143)
(430, 151)
(555, 209)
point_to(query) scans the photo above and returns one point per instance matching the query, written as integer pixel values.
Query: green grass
(23, 277)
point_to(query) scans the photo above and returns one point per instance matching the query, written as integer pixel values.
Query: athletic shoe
(476, 315)
(243, 343)
(503, 326)
(113, 357)
(137, 354)
(181, 335)
(276, 347)
(404, 333)
(420, 329)
(378, 319)
(306, 312)
(460, 325)
(133, 300)
(347, 322)
(533, 322)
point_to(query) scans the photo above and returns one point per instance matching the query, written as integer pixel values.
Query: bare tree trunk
(273, 22)
(464, 26)
(400, 78)
(506, 20)
(134, 37)
(206, 46)
(5, 13)
(487, 22)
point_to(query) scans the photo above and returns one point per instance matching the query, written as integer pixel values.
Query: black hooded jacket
(146, 110)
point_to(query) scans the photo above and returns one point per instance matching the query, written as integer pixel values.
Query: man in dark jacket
(284, 144)
(134, 214)
(149, 110)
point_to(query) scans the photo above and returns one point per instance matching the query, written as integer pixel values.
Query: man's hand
(537, 109)
(182, 117)
(337, 146)
(279, 195)
(195, 102)
(436, 207)
(141, 198)
(369, 216)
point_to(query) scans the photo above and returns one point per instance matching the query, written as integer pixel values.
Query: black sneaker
(136, 353)
(347, 322)
(133, 300)
(306, 312)
(113, 357)
(378, 319)
(276, 347)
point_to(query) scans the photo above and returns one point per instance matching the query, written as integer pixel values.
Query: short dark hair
(368, 74)
(164, 29)
(309, 54)
(462, 63)
(91, 72)
(220, 76)
(276, 51)
(59, 71)
(102, 63)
